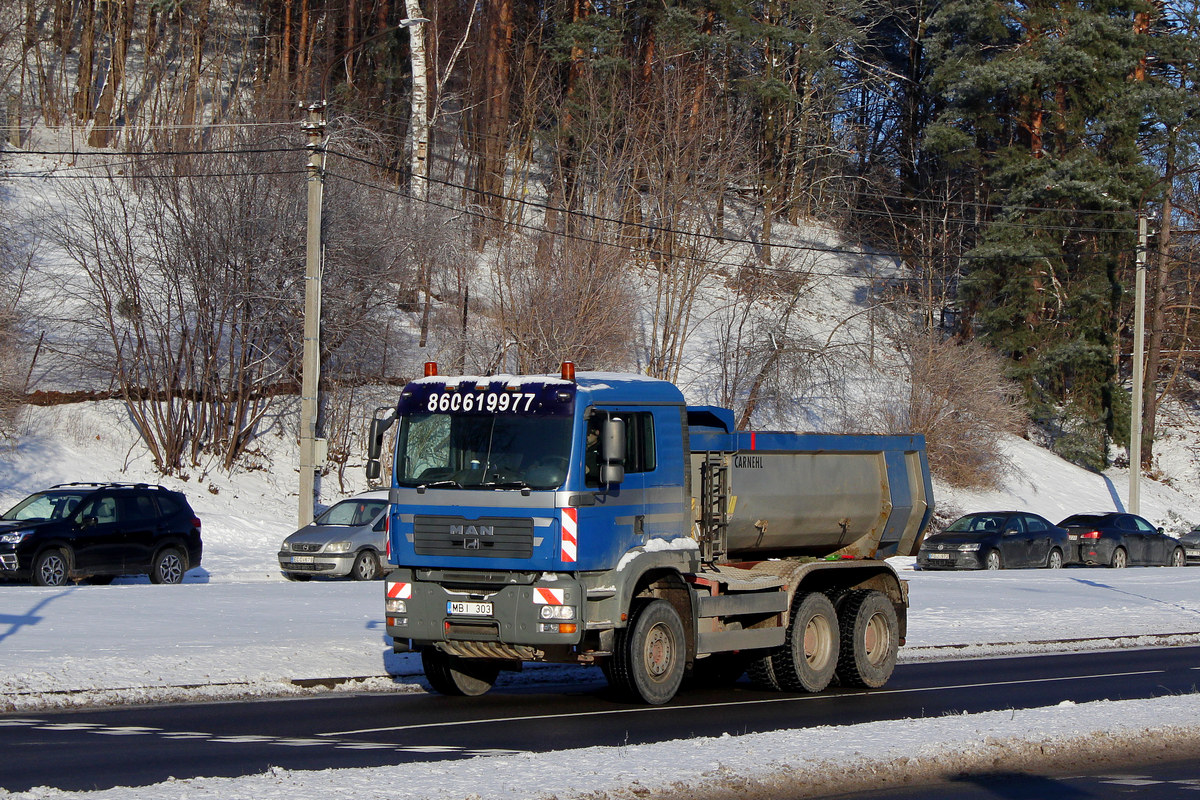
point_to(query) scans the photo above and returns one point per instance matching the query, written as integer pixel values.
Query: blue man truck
(596, 518)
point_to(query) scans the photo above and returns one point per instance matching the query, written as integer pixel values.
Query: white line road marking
(761, 701)
(132, 730)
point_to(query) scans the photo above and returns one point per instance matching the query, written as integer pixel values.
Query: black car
(996, 540)
(1116, 539)
(96, 531)
(1190, 542)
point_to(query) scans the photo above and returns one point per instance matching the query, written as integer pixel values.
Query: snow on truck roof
(599, 386)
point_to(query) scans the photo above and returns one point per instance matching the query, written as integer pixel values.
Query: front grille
(307, 547)
(489, 537)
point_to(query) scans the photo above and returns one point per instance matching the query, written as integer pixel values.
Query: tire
(168, 567)
(762, 674)
(809, 655)
(457, 677)
(366, 567)
(1055, 559)
(1178, 558)
(992, 560)
(870, 638)
(51, 568)
(650, 655)
(1120, 559)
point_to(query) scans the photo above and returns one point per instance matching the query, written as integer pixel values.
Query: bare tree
(565, 301)
(958, 397)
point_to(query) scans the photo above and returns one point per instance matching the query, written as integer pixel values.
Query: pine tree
(1038, 109)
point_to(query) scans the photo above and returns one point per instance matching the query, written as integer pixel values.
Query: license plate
(942, 555)
(302, 559)
(1074, 537)
(1192, 553)
(468, 608)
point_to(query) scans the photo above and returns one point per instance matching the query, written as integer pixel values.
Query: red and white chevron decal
(548, 597)
(399, 591)
(570, 520)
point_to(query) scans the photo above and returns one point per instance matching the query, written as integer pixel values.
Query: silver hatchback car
(349, 539)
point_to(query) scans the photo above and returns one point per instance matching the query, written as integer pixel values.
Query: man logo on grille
(471, 544)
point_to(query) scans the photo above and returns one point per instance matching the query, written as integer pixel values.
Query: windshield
(45, 505)
(490, 451)
(978, 523)
(352, 512)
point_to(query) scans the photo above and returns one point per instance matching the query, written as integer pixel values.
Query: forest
(1001, 153)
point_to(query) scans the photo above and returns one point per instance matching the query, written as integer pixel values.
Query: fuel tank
(809, 494)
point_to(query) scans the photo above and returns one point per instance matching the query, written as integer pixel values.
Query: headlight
(14, 538)
(395, 606)
(338, 547)
(558, 612)
(285, 547)
(967, 548)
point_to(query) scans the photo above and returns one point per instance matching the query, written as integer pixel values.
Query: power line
(652, 228)
(721, 263)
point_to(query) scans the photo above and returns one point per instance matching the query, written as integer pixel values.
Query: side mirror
(1162, 532)
(379, 426)
(88, 522)
(612, 451)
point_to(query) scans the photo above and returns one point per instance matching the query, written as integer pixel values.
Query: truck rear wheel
(649, 657)
(457, 677)
(870, 634)
(809, 655)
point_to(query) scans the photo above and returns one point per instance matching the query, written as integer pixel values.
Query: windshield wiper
(505, 485)
(421, 487)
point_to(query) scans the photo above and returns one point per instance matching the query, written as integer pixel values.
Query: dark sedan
(996, 540)
(1190, 542)
(1115, 539)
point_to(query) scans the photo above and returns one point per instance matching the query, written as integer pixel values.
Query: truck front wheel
(870, 634)
(457, 677)
(649, 658)
(809, 655)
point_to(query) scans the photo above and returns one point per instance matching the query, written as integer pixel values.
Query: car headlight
(285, 547)
(967, 548)
(338, 547)
(13, 537)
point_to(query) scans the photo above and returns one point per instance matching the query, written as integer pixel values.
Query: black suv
(96, 531)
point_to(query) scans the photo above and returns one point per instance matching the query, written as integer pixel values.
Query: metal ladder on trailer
(714, 507)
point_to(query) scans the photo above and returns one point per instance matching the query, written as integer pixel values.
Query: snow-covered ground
(235, 628)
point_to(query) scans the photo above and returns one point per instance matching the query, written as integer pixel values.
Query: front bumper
(950, 559)
(475, 614)
(335, 565)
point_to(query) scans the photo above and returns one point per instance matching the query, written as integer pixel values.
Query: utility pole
(311, 448)
(1139, 346)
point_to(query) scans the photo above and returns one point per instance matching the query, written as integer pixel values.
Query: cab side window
(640, 452)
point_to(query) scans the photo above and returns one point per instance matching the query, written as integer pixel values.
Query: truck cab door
(620, 506)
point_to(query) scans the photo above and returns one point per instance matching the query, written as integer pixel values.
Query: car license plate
(302, 559)
(942, 555)
(1192, 553)
(1074, 537)
(468, 608)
